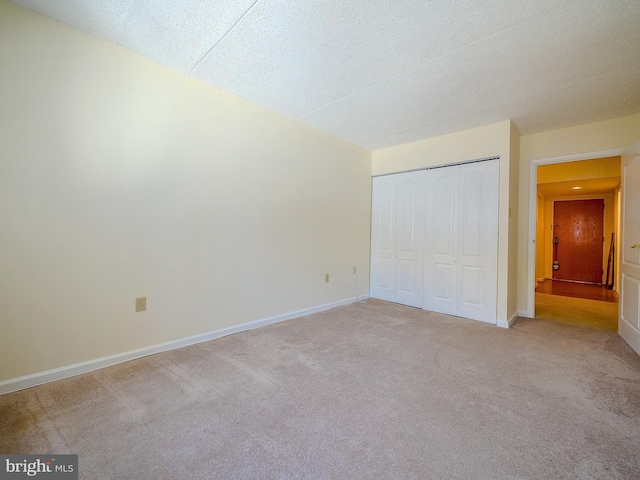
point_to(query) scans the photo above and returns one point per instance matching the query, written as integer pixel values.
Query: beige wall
(591, 137)
(120, 178)
(577, 142)
(498, 139)
(482, 142)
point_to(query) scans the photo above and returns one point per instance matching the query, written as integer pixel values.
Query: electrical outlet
(141, 304)
(326, 278)
(355, 269)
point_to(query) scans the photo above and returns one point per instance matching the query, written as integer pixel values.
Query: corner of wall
(514, 215)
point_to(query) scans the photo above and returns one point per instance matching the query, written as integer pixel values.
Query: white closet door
(461, 241)
(441, 241)
(397, 229)
(478, 241)
(409, 273)
(383, 237)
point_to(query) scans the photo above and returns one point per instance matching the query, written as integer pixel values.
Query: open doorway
(577, 226)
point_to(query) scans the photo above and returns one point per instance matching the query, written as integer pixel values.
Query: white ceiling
(380, 73)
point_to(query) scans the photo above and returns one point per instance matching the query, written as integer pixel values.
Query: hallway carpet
(371, 390)
(577, 311)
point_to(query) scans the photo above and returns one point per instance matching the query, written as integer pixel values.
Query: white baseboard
(508, 323)
(20, 383)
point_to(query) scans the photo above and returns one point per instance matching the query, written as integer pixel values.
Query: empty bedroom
(260, 239)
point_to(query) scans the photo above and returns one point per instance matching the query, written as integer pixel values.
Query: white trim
(509, 323)
(27, 381)
(533, 193)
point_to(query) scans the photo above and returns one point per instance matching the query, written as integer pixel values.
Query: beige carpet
(372, 390)
(577, 311)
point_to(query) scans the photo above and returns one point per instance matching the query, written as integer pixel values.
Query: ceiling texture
(384, 72)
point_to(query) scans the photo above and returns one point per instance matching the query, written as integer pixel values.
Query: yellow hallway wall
(120, 178)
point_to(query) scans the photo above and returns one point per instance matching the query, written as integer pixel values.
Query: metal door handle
(637, 245)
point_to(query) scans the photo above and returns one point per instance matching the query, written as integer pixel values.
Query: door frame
(533, 200)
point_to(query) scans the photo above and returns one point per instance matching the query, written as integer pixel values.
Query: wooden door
(629, 311)
(578, 240)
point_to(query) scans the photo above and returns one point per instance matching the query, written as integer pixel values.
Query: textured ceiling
(381, 73)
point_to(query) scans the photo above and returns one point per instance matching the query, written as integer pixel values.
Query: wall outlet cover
(141, 304)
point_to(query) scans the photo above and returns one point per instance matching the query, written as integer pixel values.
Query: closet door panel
(441, 240)
(409, 272)
(385, 277)
(470, 215)
(383, 229)
(461, 239)
(478, 241)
